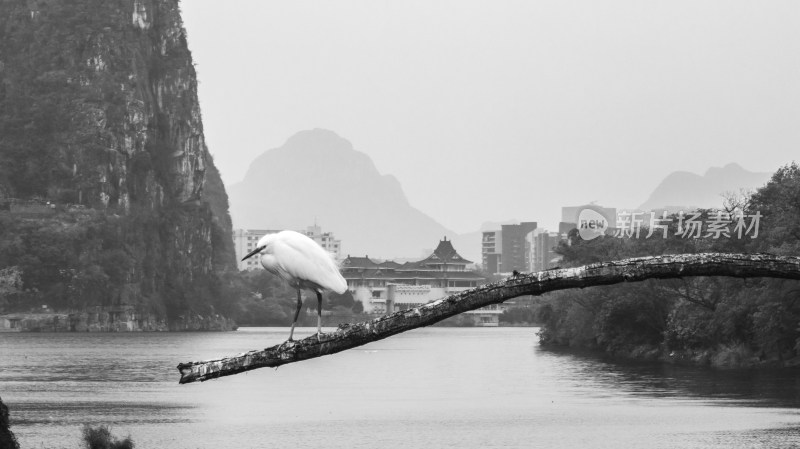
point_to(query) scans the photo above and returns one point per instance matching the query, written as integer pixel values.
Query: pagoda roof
(444, 253)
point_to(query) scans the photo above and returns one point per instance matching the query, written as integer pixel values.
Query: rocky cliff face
(98, 108)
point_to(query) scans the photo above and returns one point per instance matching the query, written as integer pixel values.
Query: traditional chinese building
(442, 273)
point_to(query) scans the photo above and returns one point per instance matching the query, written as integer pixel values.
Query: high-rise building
(542, 255)
(491, 250)
(515, 246)
(507, 250)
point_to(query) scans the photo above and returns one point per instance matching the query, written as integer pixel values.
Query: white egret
(303, 264)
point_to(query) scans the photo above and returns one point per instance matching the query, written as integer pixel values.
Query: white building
(244, 241)
(325, 239)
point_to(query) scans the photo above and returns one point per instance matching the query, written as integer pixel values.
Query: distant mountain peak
(728, 170)
(690, 190)
(317, 139)
(317, 174)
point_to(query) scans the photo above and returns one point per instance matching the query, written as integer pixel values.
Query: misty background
(490, 111)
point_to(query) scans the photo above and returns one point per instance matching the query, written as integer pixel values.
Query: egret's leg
(296, 314)
(319, 314)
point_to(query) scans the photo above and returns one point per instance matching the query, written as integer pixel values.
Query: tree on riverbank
(716, 320)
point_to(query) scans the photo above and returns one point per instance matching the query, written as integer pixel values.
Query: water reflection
(742, 387)
(428, 387)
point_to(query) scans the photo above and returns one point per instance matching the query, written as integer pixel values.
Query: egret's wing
(304, 259)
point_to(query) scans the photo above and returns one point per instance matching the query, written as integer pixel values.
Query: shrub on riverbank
(100, 438)
(7, 439)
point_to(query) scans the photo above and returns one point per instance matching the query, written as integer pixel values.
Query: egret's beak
(253, 252)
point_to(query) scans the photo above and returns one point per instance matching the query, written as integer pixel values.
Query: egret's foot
(319, 340)
(287, 342)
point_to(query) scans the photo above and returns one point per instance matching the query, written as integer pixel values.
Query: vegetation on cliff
(722, 321)
(100, 124)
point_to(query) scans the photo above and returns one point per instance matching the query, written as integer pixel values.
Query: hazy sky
(493, 110)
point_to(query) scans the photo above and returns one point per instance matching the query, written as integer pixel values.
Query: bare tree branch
(737, 201)
(605, 273)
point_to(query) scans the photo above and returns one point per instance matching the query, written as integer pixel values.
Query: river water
(434, 387)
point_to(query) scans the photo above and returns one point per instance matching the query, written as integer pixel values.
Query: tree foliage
(761, 316)
(100, 437)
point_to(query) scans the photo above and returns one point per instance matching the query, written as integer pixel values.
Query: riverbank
(721, 356)
(99, 319)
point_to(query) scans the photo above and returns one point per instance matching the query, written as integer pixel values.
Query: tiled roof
(358, 267)
(358, 262)
(400, 275)
(410, 266)
(445, 253)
